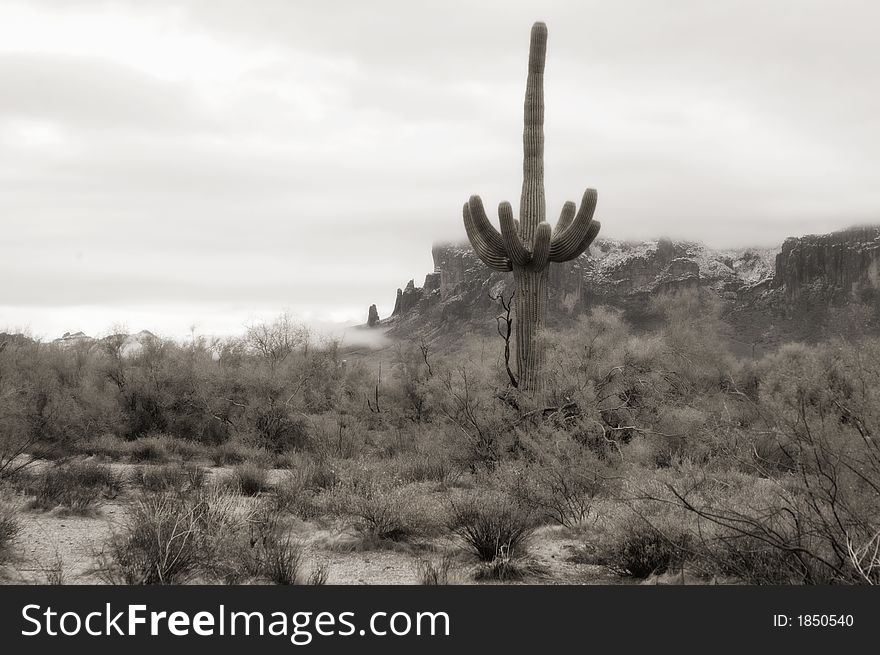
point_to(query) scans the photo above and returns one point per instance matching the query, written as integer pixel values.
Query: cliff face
(840, 266)
(768, 295)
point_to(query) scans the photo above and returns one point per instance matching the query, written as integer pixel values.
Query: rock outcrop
(769, 295)
(372, 316)
(839, 266)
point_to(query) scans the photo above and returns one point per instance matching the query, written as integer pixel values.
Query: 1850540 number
(825, 620)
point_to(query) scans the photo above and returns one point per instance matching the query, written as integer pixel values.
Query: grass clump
(75, 487)
(251, 479)
(492, 525)
(376, 507)
(148, 450)
(169, 477)
(639, 548)
(433, 572)
(10, 527)
(168, 538)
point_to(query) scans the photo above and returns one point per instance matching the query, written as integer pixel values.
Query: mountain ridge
(768, 295)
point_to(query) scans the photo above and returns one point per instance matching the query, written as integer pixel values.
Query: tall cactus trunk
(531, 307)
(531, 284)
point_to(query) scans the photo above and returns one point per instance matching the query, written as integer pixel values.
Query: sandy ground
(50, 541)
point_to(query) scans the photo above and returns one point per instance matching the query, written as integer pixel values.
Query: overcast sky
(167, 164)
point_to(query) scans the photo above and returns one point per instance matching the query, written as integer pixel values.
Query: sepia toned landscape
(552, 405)
(666, 445)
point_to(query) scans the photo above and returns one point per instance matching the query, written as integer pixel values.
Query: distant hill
(801, 291)
(130, 344)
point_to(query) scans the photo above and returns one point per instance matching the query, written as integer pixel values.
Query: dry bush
(149, 450)
(501, 569)
(10, 526)
(271, 553)
(182, 449)
(274, 554)
(293, 494)
(639, 548)
(168, 538)
(319, 575)
(747, 559)
(53, 573)
(335, 436)
(237, 452)
(169, 477)
(376, 507)
(481, 422)
(492, 525)
(435, 571)
(108, 446)
(250, 479)
(425, 466)
(262, 549)
(813, 496)
(74, 487)
(563, 486)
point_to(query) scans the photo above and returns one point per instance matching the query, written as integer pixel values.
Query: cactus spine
(527, 246)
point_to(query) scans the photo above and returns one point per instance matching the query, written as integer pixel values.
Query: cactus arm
(483, 225)
(590, 236)
(566, 216)
(592, 231)
(566, 245)
(493, 256)
(541, 252)
(517, 252)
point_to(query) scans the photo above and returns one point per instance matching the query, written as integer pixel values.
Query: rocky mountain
(129, 344)
(769, 295)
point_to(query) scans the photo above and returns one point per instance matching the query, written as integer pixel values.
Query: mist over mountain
(798, 291)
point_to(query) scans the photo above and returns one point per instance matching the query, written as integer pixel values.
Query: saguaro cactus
(527, 246)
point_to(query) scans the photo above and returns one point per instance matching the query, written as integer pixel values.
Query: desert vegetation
(274, 458)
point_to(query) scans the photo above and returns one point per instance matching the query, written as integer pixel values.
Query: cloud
(91, 93)
(307, 154)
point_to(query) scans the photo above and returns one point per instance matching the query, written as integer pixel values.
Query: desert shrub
(250, 479)
(319, 575)
(10, 526)
(749, 560)
(376, 507)
(482, 421)
(263, 549)
(292, 494)
(169, 538)
(563, 487)
(271, 553)
(811, 501)
(148, 449)
(182, 449)
(75, 487)
(278, 429)
(107, 445)
(274, 554)
(53, 572)
(321, 474)
(422, 467)
(335, 436)
(169, 477)
(434, 571)
(501, 569)
(492, 525)
(237, 452)
(638, 549)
